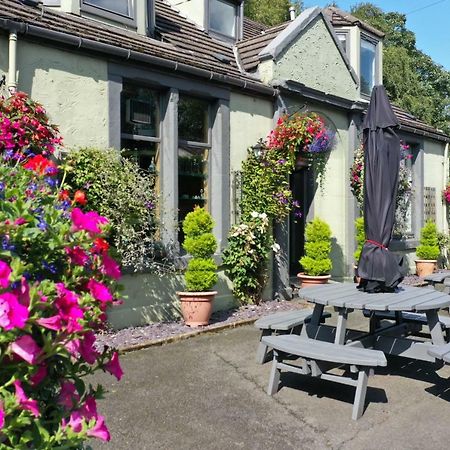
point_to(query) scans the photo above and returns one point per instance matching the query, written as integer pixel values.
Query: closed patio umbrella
(379, 269)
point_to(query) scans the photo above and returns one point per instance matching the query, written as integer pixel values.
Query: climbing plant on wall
(267, 197)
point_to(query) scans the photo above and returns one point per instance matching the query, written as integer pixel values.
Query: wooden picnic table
(394, 339)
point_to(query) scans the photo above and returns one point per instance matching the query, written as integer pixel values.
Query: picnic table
(394, 339)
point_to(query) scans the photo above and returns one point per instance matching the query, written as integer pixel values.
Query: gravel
(133, 336)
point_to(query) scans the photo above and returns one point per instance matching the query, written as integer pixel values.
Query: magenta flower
(52, 323)
(99, 291)
(25, 403)
(26, 348)
(5, 272)
(68, 308)
(86, 348)
(77, 256)
(100, 430)
(113, 366)
(12, 313)
(2, 416)
(110, 268)
(68, 395)
(20, 221)
(23, 292)
(39, 376)
(89, 221)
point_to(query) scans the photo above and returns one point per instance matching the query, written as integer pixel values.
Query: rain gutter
(124, 54)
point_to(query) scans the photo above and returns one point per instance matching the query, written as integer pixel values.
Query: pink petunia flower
(99, 291)
(12, 313)
(26, 348)
(68, 395)
(87, 348)
(39, 376)
(89, 221)
(100, 430)
(5, 272)
(68, 308)
(25, 402)
(52, 323)
(2, 416)
(110, 268)
(20, 221)
(77, 256)
(113, 366)
(23, 292)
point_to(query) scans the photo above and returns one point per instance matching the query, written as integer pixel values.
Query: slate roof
(250, 48)
(252, 28)
(343, 18)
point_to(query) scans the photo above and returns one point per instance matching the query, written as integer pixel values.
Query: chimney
(292, 12)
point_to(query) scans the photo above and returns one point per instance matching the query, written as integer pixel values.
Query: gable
(314, 59)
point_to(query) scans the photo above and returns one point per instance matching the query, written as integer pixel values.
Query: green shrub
(429, 245)
(201, 273)
(360, 238)
(118, 189)
(317, 248)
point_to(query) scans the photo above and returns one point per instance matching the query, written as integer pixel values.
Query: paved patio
(207, 392)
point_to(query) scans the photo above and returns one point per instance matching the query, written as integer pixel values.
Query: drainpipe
(292, 12)
(12, 69)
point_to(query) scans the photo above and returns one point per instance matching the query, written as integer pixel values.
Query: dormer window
(368, 52)
(223, 18)
(117, 10)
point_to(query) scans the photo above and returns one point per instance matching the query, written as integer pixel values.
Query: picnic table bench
(282, 322)
(316, 356)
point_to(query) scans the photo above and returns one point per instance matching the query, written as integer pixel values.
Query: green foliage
(270, 12)
(429, 243)
(317, 248)
(200, 274)
(125, 194)
(360, 238)
(245, 258)
(413, 80)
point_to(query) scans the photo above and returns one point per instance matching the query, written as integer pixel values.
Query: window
(123, 7)
(193, 154)
(122, 11)
(367, 65)
(342, 38)
(223, 17)
(140, 125)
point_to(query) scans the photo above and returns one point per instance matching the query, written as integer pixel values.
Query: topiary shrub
(429, 244)
(317, 248)
(360, 238)
(199, 242)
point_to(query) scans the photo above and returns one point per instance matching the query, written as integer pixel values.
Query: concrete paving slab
(209, 393)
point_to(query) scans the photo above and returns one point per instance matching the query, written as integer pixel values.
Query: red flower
(80, 197)
(41, 165)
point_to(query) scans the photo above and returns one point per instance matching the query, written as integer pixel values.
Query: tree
(270, 12)
(413, 80)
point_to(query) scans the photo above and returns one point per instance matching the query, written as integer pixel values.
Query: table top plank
(407, 298)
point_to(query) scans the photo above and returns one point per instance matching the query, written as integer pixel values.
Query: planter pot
(196, 307)
(309, 280)
(425, 267)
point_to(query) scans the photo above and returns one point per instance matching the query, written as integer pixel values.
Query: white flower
(254, 214)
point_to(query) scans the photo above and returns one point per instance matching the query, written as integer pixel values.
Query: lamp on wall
(258, 148)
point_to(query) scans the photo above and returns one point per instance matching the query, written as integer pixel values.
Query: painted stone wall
(314, 60)
(72, 87)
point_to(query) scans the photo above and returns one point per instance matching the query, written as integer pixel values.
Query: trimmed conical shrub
(317, 249)
(429, 245)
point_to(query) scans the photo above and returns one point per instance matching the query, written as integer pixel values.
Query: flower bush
(56, 281)
(119, 190)
(303, 134)
(245, 258)
(404, 190)
(446, 195)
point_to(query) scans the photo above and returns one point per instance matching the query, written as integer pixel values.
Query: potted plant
(316, 263)
(360, 239)
(200, 275)
(428, 250)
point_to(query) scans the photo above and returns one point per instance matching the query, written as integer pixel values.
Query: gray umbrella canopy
(379, 269)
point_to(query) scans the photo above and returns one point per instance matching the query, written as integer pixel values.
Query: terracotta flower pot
(196, 307)
(309, 280)
(425, 267)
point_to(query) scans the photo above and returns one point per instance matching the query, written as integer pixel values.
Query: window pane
(343, 41)
(222, 17)
(192, 178)
(367, 66)
(116, 6)
(139, 110)
(193, 119)
(144, 153)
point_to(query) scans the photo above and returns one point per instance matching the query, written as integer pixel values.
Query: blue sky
(428, 19)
